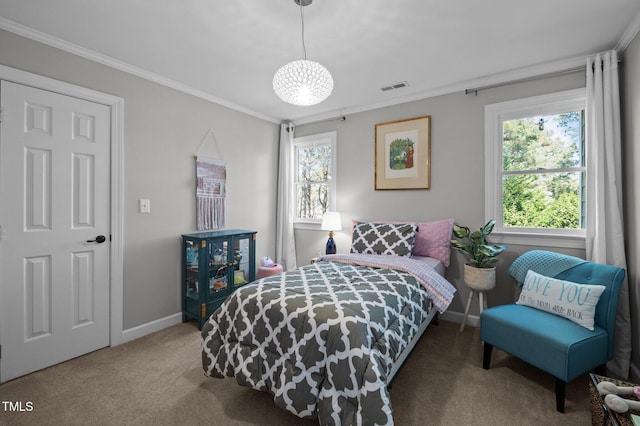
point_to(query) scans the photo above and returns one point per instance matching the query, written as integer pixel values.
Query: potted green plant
(479, 271)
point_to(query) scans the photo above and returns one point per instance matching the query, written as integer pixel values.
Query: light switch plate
(144, 205)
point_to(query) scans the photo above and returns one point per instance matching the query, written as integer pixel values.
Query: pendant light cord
(303, 82)
(304, 47)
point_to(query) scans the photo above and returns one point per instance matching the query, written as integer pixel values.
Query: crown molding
(629, 34)
(513, 76)
(517, 75)
(537, 71)
(82, 52)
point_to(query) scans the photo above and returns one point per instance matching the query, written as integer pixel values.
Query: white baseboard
(150, 327)
(162, 323)
(472, 320)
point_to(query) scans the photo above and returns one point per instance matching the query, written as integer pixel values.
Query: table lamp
(331, 222)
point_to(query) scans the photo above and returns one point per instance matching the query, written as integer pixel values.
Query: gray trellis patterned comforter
(322, 338)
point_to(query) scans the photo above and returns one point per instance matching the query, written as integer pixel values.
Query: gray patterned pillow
(383, 238)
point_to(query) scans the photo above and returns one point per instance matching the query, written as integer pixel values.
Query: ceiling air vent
(395, 86)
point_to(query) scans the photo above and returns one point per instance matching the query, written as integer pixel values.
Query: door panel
(54, 200)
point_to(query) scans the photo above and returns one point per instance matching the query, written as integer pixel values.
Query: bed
(326, 339)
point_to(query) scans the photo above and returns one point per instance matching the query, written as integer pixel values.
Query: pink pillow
(433, 239)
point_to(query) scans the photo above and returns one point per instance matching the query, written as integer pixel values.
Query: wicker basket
(599, 414)
(481, 279)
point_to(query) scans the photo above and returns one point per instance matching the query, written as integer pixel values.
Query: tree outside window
(543, 171)
(535, 169)
(314, 176)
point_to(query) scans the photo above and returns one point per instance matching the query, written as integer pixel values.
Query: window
(314, 176)
(535, 172)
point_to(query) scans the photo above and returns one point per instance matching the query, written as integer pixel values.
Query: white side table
(478, 280)
(482, 302)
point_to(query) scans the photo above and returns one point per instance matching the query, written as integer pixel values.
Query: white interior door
(54, 203)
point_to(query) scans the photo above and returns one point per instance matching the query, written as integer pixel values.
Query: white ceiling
(228, 50)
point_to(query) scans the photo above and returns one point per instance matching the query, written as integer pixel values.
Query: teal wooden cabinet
(214, 265)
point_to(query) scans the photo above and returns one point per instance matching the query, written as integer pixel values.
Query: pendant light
(303, 82)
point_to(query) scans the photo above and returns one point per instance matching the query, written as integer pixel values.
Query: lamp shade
(331, 221)
(303, 83)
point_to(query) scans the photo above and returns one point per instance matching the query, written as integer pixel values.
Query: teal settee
(550, 342)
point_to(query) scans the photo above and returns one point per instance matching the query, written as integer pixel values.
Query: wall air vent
(395, 86)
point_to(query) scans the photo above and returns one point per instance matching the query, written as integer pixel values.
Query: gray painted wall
(457, 174)
(163, 130)
(164, 127)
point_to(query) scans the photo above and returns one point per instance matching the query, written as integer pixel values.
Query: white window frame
(328, 138)
(495, 115)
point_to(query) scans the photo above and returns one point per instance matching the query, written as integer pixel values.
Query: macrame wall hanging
(211, 188)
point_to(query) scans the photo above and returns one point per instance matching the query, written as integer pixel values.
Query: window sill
(309, 226)
(539, 240)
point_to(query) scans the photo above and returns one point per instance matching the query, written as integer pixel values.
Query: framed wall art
(403, 154)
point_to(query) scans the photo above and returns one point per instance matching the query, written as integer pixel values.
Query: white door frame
(116, 266)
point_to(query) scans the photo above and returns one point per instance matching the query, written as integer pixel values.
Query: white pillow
(576, 302)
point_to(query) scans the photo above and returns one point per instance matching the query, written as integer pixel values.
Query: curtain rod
(341, 118)
(524, 80)
(527, 79)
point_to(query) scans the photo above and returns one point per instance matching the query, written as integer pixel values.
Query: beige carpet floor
(158, 380)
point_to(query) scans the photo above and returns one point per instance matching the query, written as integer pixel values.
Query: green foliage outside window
(541, 186)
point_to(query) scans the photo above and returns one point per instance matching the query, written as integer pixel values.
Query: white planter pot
(481, 279)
